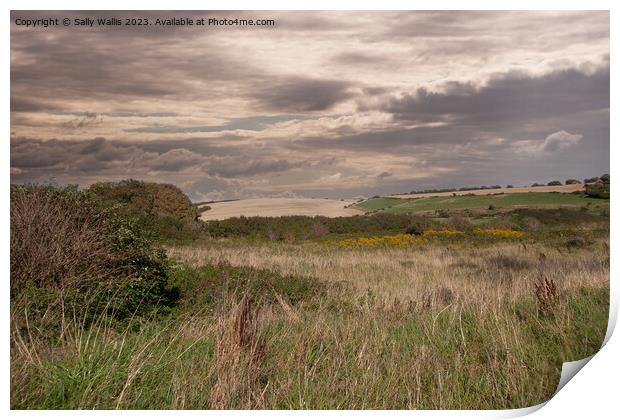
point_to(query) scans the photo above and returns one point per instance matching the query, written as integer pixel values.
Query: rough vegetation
(452, 309)
(159, 200)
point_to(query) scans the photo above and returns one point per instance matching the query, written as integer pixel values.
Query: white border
(592, 393)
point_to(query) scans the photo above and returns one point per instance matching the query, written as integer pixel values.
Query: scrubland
(306, 313)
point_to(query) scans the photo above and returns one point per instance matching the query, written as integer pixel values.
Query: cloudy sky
(323, 104)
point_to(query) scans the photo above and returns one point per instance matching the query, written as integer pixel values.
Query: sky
(321, 104)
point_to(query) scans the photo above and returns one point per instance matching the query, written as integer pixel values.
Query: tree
(554, 183)
(571, 181)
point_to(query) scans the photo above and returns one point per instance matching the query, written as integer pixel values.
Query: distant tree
(605, 178)
(591, 180)
(536, 184)
(571, 181)
(509, 186)
(554, 183)
(597, 190)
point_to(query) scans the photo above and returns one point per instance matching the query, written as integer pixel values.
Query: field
(272, 207)
(382, 311)
(426, 204)
(545, 188)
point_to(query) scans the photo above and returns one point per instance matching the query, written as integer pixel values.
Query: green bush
(159, 200)
(597, 190)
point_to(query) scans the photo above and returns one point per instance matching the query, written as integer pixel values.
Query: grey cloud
(87, 120)
(238, 166)
(250, 123)
(560, 140)
(508, 99)
(63, 156)
(174, 160)
(299, 94)
(119, 114)
(133, 73)
(356, 57)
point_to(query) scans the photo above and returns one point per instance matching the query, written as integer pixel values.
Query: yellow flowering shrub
(402, 240)
(500, 233)
(442, 232)
(381, 241)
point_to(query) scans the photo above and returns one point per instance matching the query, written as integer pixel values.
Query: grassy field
(530, 199)
(452, 316)
(486, 191)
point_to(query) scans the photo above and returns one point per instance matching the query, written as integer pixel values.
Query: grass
(431, 328)
(480, 318)
(531, 199)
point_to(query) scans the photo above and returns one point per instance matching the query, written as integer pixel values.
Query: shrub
(597, 190)
(155, 199)
(458, 223)
(572, 182)
(531, 224)
(65, 242)
(414, 230)
(319, 229)
(554, 183)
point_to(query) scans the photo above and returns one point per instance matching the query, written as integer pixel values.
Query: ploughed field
(274, 207)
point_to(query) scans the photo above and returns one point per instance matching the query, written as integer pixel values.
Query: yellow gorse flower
(501, 233)
(381, 241)
(442, 232)
(401, 240)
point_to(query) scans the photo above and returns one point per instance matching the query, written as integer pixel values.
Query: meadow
(500, 200)
(388, 311)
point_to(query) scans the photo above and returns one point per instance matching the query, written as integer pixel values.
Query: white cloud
(554, 142)
(560, 140)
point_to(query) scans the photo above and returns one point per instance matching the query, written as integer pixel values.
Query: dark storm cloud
(27, 104)
(69, 155)
(508, 99)
(95, 155)
(299, 94)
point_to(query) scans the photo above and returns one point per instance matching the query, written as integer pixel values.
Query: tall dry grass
(484, 276)
(438, 326)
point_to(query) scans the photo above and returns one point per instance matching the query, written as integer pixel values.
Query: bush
(65, 242)
(159, 200)
(597, 190)
(458, 223)
(303, 226)
(554, 183)
(572, 182)
(414, 230)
